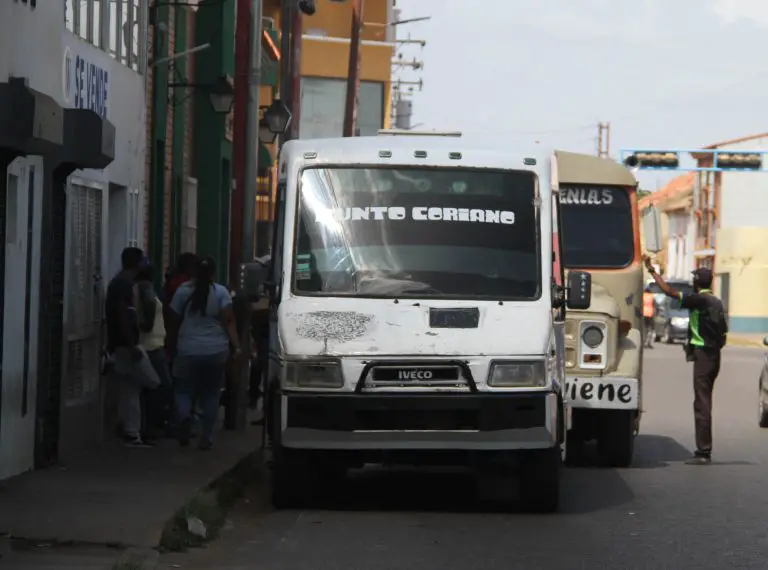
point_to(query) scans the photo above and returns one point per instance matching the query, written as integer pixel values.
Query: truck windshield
(415, 232)
(596, 223)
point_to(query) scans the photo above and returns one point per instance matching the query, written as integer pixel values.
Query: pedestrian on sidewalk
(130, 364)
(159, 401)
(707, 333)
(202, 333)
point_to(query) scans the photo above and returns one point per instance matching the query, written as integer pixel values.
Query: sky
(664, 73)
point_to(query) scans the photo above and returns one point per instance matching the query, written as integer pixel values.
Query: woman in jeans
(202, 334)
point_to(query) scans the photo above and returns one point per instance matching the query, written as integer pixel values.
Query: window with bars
(116, 26)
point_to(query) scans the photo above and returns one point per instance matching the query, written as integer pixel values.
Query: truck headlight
(522, 374)
(313, 375)
(679, 322)
(592, 336)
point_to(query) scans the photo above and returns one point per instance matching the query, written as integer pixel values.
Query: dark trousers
(706, 367)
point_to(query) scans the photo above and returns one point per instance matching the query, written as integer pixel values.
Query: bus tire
(616, 438)
(540, 471)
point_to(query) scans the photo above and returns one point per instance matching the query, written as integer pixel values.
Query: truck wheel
(290, 485)
(616, 437)
(540, 480)
(763, 408)
(299, 476)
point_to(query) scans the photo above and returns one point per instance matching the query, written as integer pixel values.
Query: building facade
(325, 66)
(731, 207)
(73, 157)
(674, 202)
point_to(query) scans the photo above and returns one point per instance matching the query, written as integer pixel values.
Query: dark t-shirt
(119, 289)
(708, 325)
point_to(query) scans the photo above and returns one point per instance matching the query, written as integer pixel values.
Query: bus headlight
(592, 336)
(519, 374)
(313, 374)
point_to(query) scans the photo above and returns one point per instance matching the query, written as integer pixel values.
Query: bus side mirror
(652, 229)
(579, 290)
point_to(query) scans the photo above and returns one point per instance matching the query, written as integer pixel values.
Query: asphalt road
(659, 513)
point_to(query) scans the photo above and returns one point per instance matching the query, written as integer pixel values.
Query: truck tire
(291, 488)
(540, 471)
(616, 437)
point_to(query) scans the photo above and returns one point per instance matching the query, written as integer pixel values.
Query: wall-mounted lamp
(276, 120)
(221, 93)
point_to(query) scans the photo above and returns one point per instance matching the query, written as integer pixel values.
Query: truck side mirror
(251, 280)
(652, 229)
(579, 290)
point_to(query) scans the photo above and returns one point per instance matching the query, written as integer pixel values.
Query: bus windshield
(415, 232)
(596, 223)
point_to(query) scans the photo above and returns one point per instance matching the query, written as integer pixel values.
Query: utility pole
(353, 75)
(286, 60)
(242, 60)
(295, 71)
(248, 71)
(604, 140)
(252, 135)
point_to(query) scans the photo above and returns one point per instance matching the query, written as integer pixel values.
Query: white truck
(414, 313)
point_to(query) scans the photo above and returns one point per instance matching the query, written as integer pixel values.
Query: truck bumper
(602, 392)
(439, 421)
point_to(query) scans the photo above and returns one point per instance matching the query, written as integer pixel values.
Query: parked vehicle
(600, 231)
(415, 313)
(763, 391)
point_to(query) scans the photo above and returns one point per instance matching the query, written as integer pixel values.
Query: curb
(745, 343)
(203, 516)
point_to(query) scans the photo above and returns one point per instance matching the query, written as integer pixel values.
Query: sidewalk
(748, 340)
(112, 495)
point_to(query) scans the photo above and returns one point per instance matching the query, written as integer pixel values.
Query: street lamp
(276, 120)
(221, 94)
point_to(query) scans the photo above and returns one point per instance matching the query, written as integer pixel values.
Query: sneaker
(699, 460)
(205, 444)
(136, 441)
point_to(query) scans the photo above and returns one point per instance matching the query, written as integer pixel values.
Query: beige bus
(600, 233)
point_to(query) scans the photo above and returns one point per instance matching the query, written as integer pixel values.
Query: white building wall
(37, 45)
(28, 36)
(744, 195)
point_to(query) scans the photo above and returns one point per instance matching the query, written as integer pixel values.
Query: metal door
(84, 293)
(17, 418)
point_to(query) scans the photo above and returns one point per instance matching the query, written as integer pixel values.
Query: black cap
(703, 276)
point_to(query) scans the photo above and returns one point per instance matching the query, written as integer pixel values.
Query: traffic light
(653, 159)
(739, 161)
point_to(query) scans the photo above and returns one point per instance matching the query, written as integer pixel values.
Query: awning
(31, 122)
(89, 140)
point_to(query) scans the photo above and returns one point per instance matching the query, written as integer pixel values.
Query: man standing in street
(708, 328)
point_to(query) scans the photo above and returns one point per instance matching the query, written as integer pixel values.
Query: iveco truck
(415, 315)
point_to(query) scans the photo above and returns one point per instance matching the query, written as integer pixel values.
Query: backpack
(722, 325)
